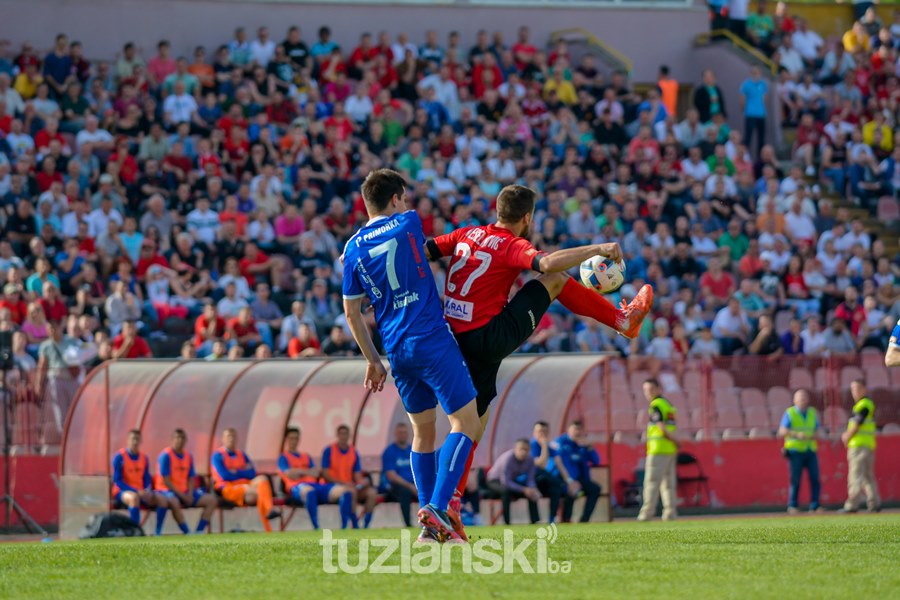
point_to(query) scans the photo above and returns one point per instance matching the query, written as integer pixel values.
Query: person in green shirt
(752, 303)
(393, 128)
(74, 107)
(410, 162)
(720, 157)
(760, 27)
(735, 240)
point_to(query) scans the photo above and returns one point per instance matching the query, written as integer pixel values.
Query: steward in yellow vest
(662, 451)
(799, 427)
(860, 441)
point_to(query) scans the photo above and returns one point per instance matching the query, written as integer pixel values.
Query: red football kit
(493, 257)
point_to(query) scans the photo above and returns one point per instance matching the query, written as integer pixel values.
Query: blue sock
(201, 525)
(160, 519)
(367, 519)
(424, 468)
(454, 455)
(312, 507)
(135, 515)
(184, 528)
(345, 504)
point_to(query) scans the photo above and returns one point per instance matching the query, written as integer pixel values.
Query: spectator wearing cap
(13, 302)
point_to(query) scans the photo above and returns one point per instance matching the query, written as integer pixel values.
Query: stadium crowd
(141, 195)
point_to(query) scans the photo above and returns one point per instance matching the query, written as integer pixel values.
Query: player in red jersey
(485, 261)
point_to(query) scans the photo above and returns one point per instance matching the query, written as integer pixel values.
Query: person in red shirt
(716, 285)
(485, 262)
(48, 174)
(255, 263)
(363, 57)
(340, 122)
(52, 303)
(304, 344)
(147, 258)
(176, 163)
(46, 135)
(242, 331)
(851, 311)
(129, 344)
(12, 301)
(208, 328)
(524, 51)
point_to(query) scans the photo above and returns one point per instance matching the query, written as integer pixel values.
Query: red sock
(588, 303)
(464, 480)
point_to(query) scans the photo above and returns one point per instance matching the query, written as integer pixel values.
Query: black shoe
(273, 514)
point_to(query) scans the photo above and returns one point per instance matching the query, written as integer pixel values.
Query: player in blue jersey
(385, 262)
(892, 357)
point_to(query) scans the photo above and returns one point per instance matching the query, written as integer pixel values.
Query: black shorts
(486, 347)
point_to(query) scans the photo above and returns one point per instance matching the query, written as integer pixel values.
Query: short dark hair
(344, 428)
(541, 424)
(859, 381)
(136, 432)
(380, 186)
(523, 441)
(652, 381)
(576, 423)
(514, 202)
(179, 431)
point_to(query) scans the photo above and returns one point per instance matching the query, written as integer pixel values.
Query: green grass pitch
(853, 556)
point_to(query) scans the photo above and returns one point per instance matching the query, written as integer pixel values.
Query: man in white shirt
(691, 131)
(694, 167)
(262, 49)
(445, 90)
(203, 223)
(359, 106)
(856, 235)
(100, 138)
(19, 142)
(813, 337)
(401, 46)
(779, 256)
(731, 326)
(231, 304)
(179, 107)
(798, 226)
(99, 218)
(791, 59)
(806, 41)
(476, 144)
(463, 166)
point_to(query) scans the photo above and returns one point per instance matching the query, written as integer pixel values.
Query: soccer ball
(602, 274)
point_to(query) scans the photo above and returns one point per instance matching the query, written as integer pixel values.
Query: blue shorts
(430, 370)
(321, 490)
(198, 493)
(117, 500)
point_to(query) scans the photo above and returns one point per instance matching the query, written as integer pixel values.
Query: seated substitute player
(384, 261)
(301, 480)
(236, 481)
(892, 357)
(577, 457)
(340, 465)
(175, 480)
(485, 261)
(132, 484)
(396, 474)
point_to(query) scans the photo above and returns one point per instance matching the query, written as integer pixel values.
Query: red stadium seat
(729, 419)
(891, 429)
(848, 374)
(800, 377)
(757, 416)
(752, 398)
(888, 209)
(722, 379)
(758, 433)
(734, 434)
(877, 376)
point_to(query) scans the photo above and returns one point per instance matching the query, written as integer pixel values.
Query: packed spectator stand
(197, 206)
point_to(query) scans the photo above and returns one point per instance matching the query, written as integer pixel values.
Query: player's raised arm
(892, 356)
(375, 371)
(563, 260)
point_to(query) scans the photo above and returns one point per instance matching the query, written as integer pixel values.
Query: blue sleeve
(351, 286)
(249, 472)
(283, 463)
(593, 457)
(165, 465)
(191, 472)
(535, 448)
(785, 421)
(743, 89)
(388, 460)
(326, 458)
(148, 481)
(219, 465)
(356, 465)
(117, 474)
(895, 335)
